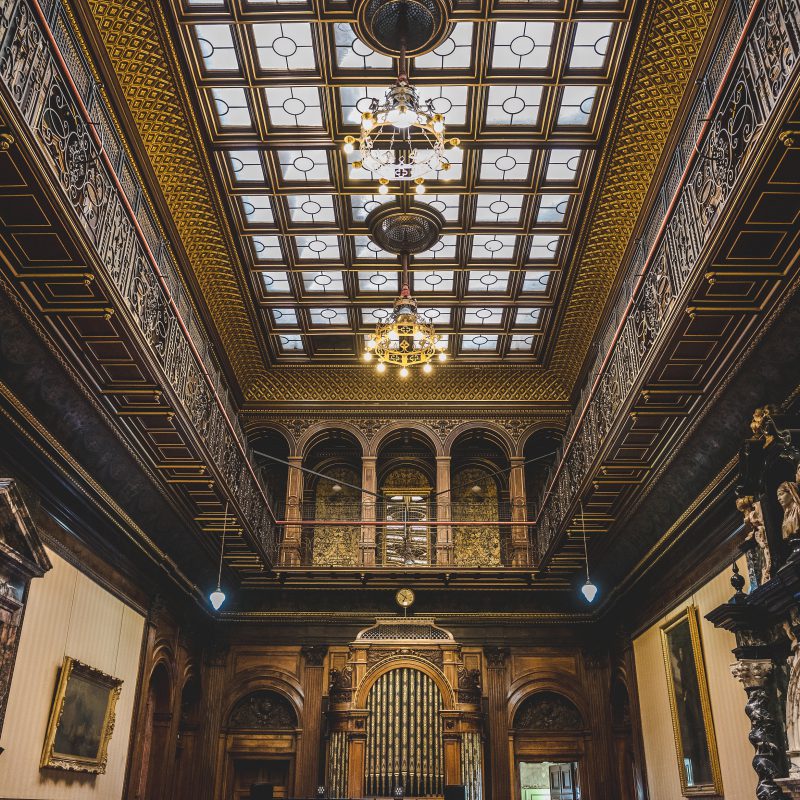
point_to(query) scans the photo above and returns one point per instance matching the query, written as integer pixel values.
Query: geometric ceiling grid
(526, 89)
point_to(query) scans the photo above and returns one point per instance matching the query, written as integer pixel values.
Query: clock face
(405, 597)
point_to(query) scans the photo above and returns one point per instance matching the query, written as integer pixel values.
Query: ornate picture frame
(690, 706)
(81, 719)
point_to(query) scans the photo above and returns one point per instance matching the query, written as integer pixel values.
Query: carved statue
(789, 498)
(760, 564)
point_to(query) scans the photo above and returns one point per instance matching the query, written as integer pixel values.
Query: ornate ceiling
(563, 109)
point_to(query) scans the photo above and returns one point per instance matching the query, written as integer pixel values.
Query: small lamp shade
(217, 598)
(589, 591)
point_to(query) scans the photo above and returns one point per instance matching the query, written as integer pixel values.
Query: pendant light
(589, 590)
(217, 597)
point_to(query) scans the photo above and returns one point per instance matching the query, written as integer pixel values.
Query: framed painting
(692, 723)
(81, 719)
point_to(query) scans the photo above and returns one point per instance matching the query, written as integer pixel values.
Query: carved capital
(496, 657)
(752, 673)
(314, 654)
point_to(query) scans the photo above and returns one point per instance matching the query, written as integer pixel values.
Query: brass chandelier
(385, 141)
(405, 337)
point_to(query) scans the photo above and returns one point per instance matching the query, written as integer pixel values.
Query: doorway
(548, 780)
(271, 771)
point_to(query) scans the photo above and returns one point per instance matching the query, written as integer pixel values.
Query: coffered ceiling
(536, 91)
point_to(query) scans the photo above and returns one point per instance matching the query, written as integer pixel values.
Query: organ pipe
(404, 735)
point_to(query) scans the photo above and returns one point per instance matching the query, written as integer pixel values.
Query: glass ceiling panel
(563, 165)
(379, 281)
(323, 281)
(479, 342)
(232, 108)
(291, 343)
(576, 106)
(443, 250)
(352, 53)
(373, 315)
(284, 46)
(455, 52)
(536, 280)
(499, 247)
(440, 281)
(215, 43)
(320, 248)
(327, 316)
(553, 208)
(520, 343)
(355, 100)
(363, 204)
(513, 105)
(304, 165)
(257, 208)
(446, 204)
(506, 164)
(436, 315)
(367, 250)
(483, 316)
(276, 282)
(528, 315)
(448, 100)
(522, 45)
(267, 248)
(487, 280)
(284, 316)
(499, 207)
(590, 46)
(544, 248)
(310, 207)
(294, 106)
(246, 166)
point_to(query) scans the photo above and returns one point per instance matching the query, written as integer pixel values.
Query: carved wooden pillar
(444, 533)
(308, 768)
(369, 482)
(22, 558)
(291, 546)
(519, 513)
(215, 661)
(451, 744)
(498, 722)
(357, 736)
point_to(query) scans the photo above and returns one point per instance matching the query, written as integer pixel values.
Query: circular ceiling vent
(405, 231)
(388, 25)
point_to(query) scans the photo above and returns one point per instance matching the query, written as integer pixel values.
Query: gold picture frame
(690, 706)
(81, 719)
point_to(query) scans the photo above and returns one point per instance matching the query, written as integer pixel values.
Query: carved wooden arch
(412, 662)
(264, 679)
(519, 447)
(164, 655)
(581, 727)
(400, 425)
(253, 428)
(497, 435)
(307, 440)
(554, 682)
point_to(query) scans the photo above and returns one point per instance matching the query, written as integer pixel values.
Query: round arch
(519, 447)
(556, 683)
(264, 679)
(411, 662)
(316, 433)
(253, 429)
(496, 434)
(427, 433)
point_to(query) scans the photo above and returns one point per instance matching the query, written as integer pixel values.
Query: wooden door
(247, 772)
(563, 780)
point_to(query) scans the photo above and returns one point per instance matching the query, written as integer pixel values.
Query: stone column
(291, 546)
(308, 777)
(519, 514)
(369, 482)
(754, 674)
(444, 533)
(496, 658)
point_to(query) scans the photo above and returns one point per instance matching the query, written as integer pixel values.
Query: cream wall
(67, 614)
(728, 699)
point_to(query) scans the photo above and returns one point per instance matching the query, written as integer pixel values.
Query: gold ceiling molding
(672, 46)
(130, 33)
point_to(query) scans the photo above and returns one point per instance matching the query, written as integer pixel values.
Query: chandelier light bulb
(401, 117)
(428, 368)
(455, 145)
(404, 372)
(381, 367)
(367, 122)
(420, 188)
(367, 356)
(442, 356)
(438, 124)
(217, 598)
